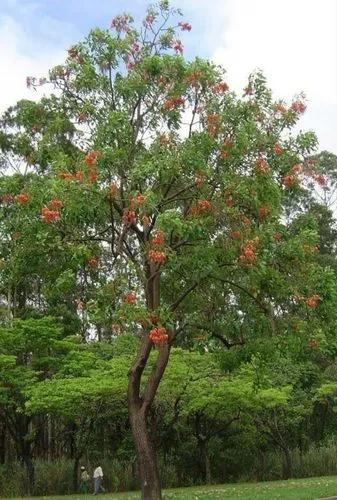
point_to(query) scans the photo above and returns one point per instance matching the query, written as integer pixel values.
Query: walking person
(84, 480)
(98, 480)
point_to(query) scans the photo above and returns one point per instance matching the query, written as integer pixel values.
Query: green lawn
(300, 489)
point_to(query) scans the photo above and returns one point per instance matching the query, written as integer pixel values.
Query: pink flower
(148, 20)
(177, 46)
(185, 26)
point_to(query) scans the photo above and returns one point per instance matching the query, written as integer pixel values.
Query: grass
(299, 489)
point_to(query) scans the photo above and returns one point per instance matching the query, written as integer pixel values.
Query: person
(98, 480)
(84, 480)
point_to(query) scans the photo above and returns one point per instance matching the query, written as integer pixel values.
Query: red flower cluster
(158, 335)
(263, 212)
(49, 215)
(278, 150)
(130, 298)
(55, 204)
(235, 234)
(296, 168)
(158, 239)
(212, 123)
(93, 261)
(173, 102)
(262, 166)
(289, 180)
(148, 20)
(115, 328)
(193, 78)
(91, 157)
(312, 301)
(248, 256)
(129, 216)
(312, 343)
(204, 206)
(67, 176)
(277, 236)
(320, 179)
(22, 198)
(120, 23)
(220, 87)
(157, 257)
(178, 46)
(298, 107)
(185, 26)
(137, 200)
(280, 108)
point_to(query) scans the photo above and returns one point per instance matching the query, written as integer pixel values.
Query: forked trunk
(139, 402)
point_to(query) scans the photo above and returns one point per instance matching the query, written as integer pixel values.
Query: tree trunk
(29, 464)
(2, 443)
(75, 472)
(148, 469)
(140, 404)
(287, 464)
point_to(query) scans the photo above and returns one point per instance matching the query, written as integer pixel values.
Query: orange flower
(93, 261)
(158, 239)
(91, 157)
(312, 301)
(296, 168)
(129, 216)
(262, 166)
(289, 180)
(157, 257)
(22, 198)
(158, 335)
(56, 203)
(204, 205)
(263, 212)
(278, 150)
(49, 215)
(130, 298)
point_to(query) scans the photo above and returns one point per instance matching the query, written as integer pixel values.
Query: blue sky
(293, 41)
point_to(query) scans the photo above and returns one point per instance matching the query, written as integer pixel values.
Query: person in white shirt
(98, 480)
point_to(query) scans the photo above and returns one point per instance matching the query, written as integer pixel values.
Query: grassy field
(300, 489)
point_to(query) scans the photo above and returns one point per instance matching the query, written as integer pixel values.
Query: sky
(294, 42)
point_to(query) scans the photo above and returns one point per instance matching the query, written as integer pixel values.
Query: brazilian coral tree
(148, 198)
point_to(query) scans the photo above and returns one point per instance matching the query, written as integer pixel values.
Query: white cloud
(22, 54)
(294, 43)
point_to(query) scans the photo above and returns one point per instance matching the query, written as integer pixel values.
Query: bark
(2, 443)
(147, 462)
(30, 470)
(75, 472)
(287, 463)
(140, 404)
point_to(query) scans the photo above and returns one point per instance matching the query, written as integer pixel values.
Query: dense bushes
(56, 477)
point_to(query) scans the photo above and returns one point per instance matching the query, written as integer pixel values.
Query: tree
(156, 197)
(28, 351)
